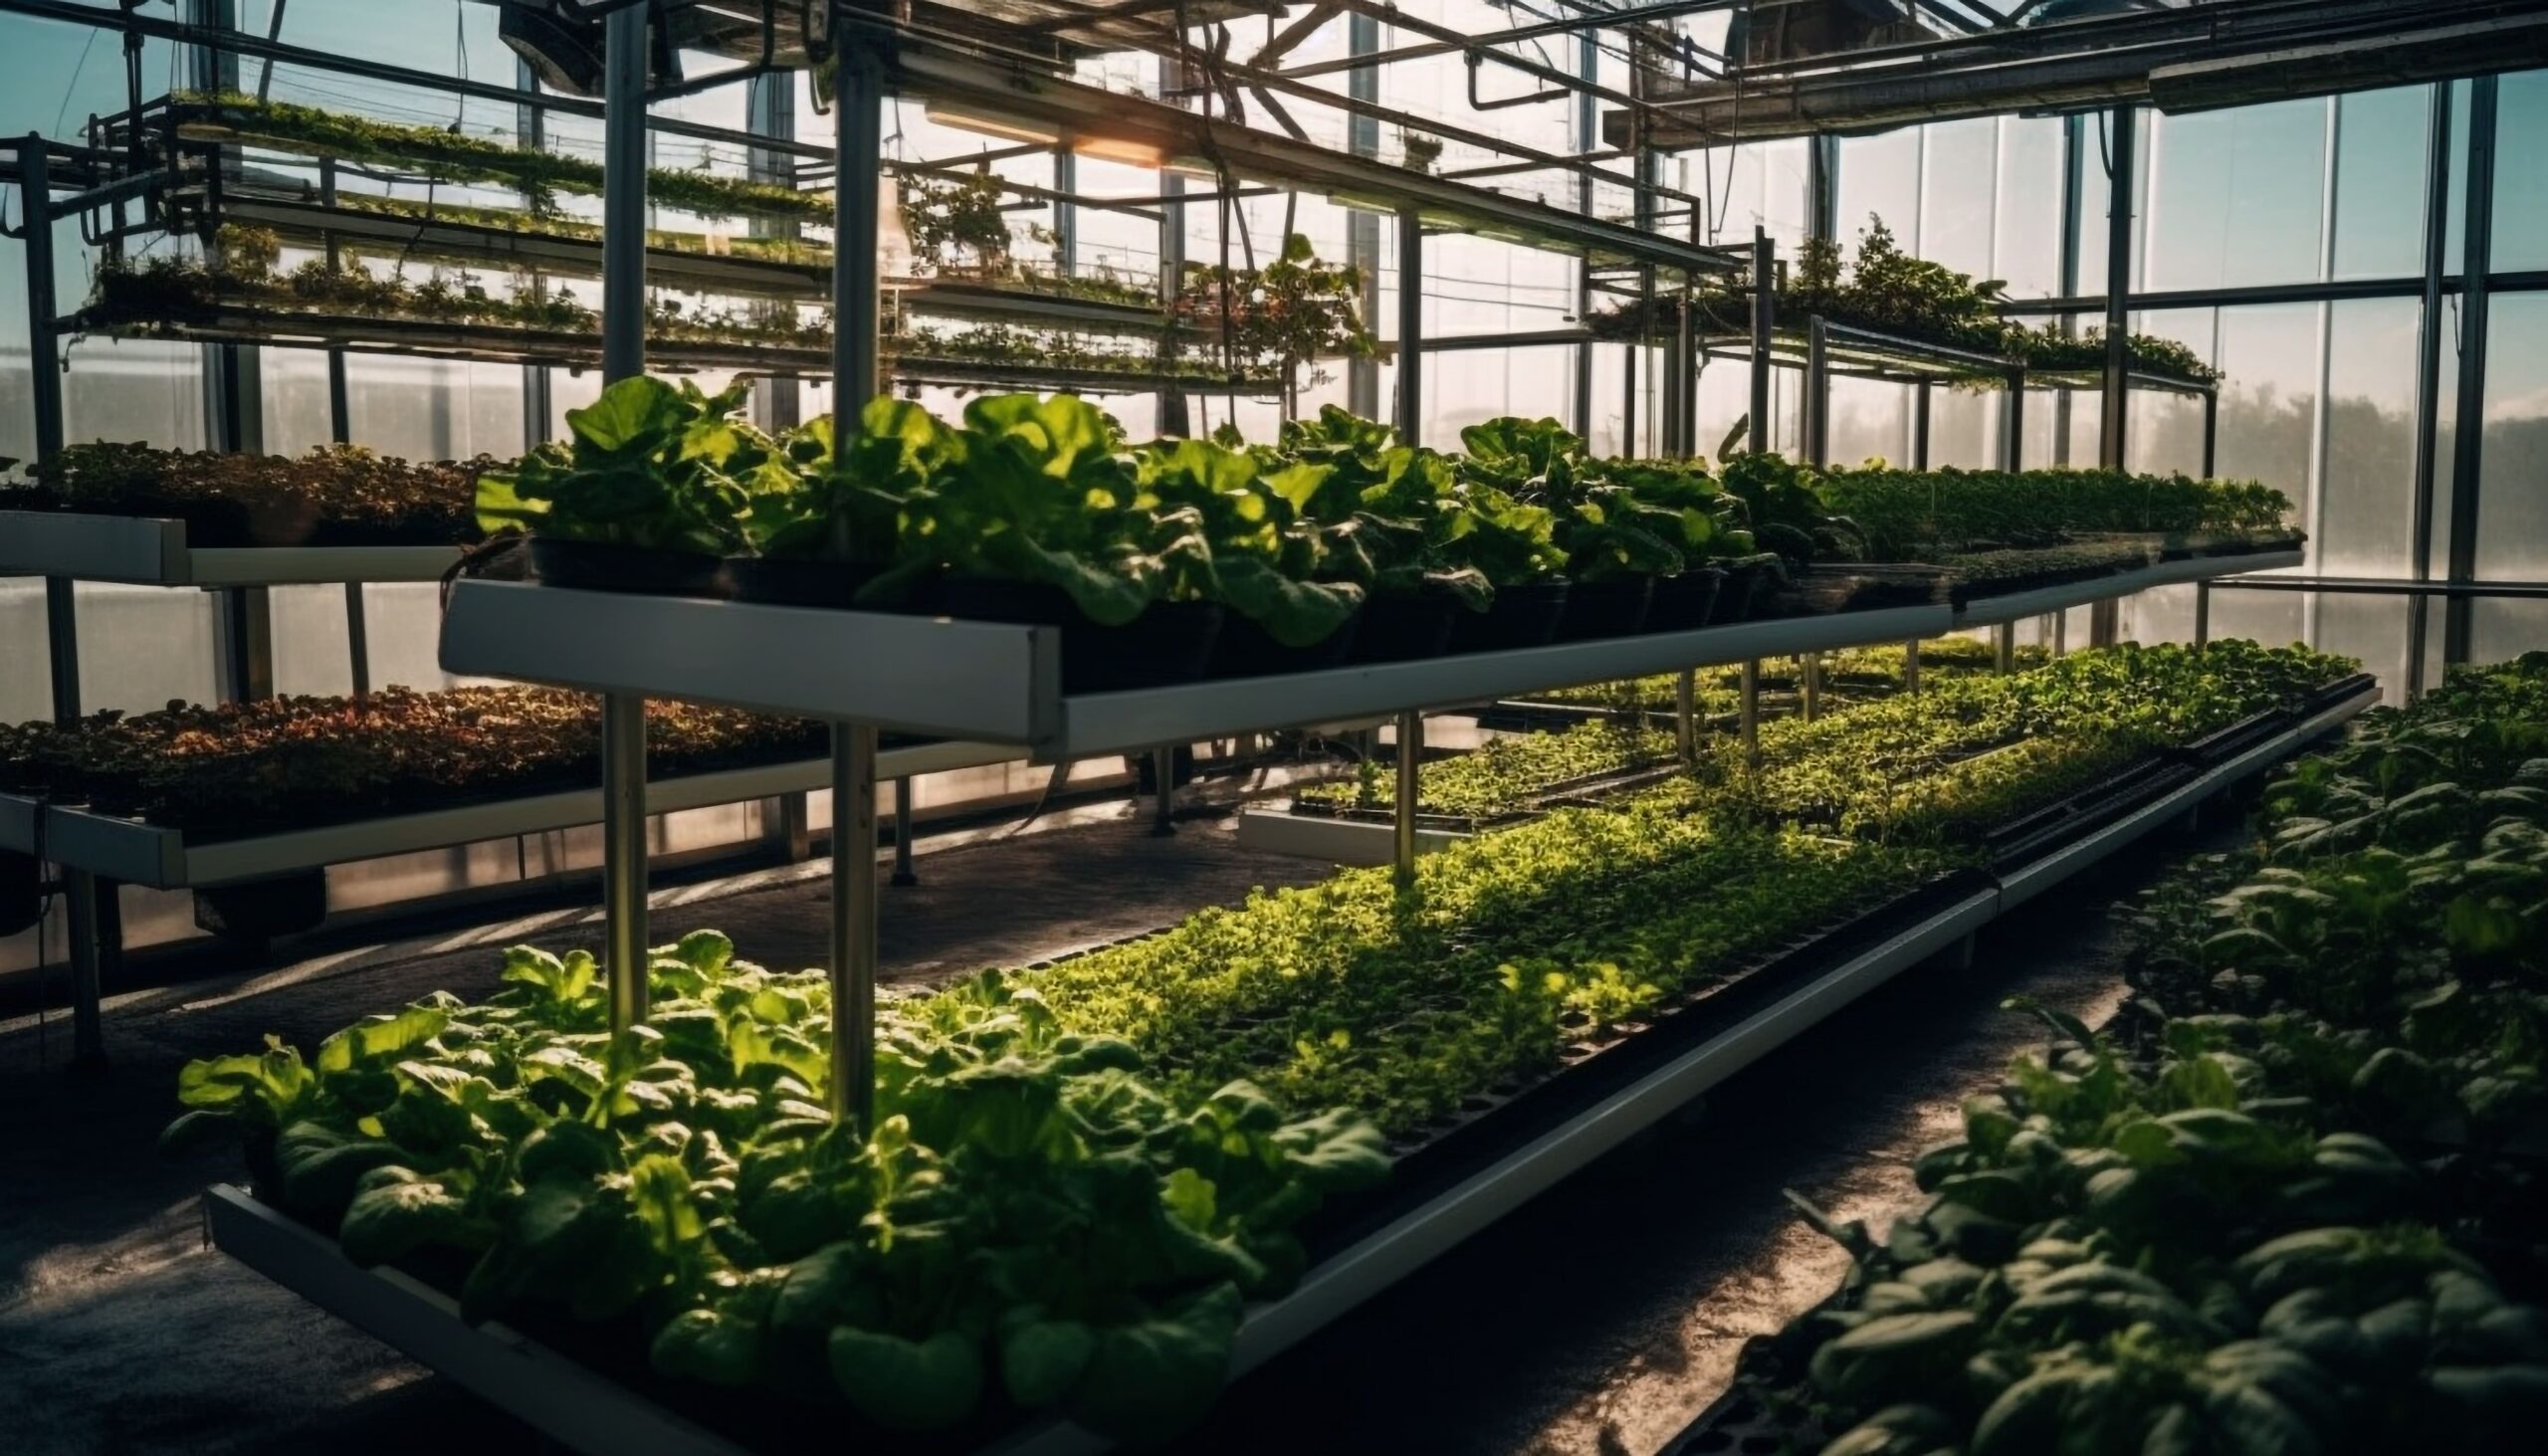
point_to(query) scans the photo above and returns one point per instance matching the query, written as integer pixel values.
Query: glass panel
(2366, 510)
(2270, 396)
(2026, 233)
(2383, 138)
(1958, 203)
(1879, 177)
(2164, 432)
(2236, 196)
(1466, 386)
(2521, 181)
(2513, 502)
(1870, 420)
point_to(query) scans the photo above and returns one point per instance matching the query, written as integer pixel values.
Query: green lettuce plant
(648, 464)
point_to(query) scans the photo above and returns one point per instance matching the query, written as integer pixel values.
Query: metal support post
(1411, 326)
(623, 351)
(623, 207)
(1411, 756)
(80, 889)
(2012, 443)
(623, 855)
(853, 957)
(1764, 323)
(2203, 615)
(2211, 433)
(247, 643)
(1587, 137)
(2118, 338)
(2105, 622)
(858, 144)
(1685, 715)
(2105, 616)
(1911, 667)
(1750, 714)
(1362, 229)
(1809, 681)
(1818, 393)
(2428, 381)
(904, 875)
(2004, 648)
(1163, 797)
(359, 642)
(2468, 439)
(1920, 425)
(2061, 633)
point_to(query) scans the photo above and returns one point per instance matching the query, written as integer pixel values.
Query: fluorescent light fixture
(990, 123)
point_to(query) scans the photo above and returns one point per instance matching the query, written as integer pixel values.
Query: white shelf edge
(1336, 840)
(1100, 722)
(1990, 611)
(142, 854)
(140, 551)
(998, 682)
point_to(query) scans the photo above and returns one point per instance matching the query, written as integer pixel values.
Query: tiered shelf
(587, 1411)
(137, 852)
(149, 551)
(994, 682)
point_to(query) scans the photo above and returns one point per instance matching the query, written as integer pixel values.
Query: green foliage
(277, 763)
(336, 495)
(1888, 291)
(647, 463)
(1029, 1209)
(449, 154)
(2257, 1211)
(1295, 310)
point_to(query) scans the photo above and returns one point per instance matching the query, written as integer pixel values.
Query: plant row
(1077, 1173)
(1505, 777)
(447, 155)
(2290, 1199)
(1973, 750)
(244, 273)
(1040, 510)
(291, 763)
(1353, 993)
(1032, 1225)
(1847, 670)
(334, 495)
(1887, 291)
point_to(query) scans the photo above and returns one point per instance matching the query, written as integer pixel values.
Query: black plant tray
(1965, 591)
(1491, 1124)
(1745, 1422)
(1522, 716)
(2024, 841)
(2336, 692)
(2223, 744)
(1578, 790)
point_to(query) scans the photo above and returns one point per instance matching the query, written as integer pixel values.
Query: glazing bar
(1410, 335)
(1685, 715)
(853, 957)
(623, 850)
(904, 875)
(623, 351)
(1410, 753)
(1751, 713)
(1765, 326)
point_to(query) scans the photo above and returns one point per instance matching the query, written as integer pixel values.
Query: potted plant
(648, 493)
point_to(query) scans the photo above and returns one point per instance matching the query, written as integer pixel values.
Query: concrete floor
(1598, 1321)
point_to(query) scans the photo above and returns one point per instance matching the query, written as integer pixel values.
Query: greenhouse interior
(1498, 728)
